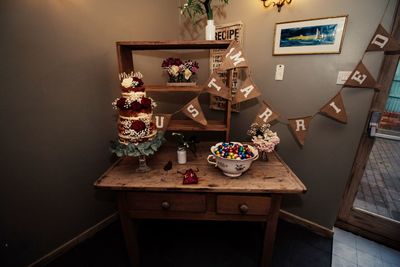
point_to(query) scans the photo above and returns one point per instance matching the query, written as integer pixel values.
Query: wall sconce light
(278, 3)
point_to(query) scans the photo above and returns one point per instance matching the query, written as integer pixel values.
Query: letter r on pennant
(300, 124)
(265, 115)
(193, 111)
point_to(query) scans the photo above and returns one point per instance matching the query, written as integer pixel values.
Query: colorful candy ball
(233, 151)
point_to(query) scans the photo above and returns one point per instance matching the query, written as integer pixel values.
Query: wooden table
(254, 196)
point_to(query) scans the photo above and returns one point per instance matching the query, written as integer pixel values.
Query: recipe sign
(230, 31)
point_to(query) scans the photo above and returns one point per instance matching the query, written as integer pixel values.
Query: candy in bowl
(232, 158)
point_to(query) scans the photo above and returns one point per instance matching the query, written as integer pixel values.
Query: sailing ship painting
(308, 36)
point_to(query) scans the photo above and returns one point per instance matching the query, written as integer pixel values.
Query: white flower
(127, 82)
(138, 75)
(187, 73)
(174, 70)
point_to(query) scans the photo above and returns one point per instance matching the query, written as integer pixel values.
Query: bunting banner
(335, 109)
(233, 58)
(246, 91)
(194, 111)
(162, 121)
(360, 77)
(383, 41)
(299, 127)
(265, 115)
(216, 86)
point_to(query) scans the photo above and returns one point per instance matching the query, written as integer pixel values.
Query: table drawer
(251, 205)
(166, 202)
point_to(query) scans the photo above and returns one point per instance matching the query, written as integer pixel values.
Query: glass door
(379, 190)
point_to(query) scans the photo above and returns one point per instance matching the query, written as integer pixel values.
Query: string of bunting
(234, 58)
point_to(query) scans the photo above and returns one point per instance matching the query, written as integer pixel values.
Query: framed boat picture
(313, 36)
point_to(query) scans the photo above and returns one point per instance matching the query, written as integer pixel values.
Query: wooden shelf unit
(125, 64)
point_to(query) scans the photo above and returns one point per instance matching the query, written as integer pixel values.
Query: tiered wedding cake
(135, 110)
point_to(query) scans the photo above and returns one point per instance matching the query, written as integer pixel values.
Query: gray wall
(58, 79)
(324, 163)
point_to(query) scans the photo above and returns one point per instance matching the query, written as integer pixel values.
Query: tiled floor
(350, 250)
(210, 244)
(379, 191)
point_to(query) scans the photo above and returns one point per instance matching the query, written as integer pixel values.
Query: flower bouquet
(263, 138)
(180, 73)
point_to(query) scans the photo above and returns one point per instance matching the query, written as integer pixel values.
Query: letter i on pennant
(335, 109)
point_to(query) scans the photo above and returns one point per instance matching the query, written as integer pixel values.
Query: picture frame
(312, 36)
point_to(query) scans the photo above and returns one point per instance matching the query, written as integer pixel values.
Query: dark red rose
(146, 102)
(139, 81)
(121, 104)
(136, 106)
(138, 126)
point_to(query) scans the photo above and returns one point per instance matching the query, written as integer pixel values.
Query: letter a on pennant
(247, 90)
(335, 109)
(382, 41)
(216, 86)
(234, 57)
(361, 77)
(162, 121)
(299, 127)
(265, 115)
(194, 111)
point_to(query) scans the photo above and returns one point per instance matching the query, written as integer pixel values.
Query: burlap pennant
(361, 77)
(246, 91)
(265, 115)
(382, 41)
(194, 111)
(216, 86)
(162, 121)
(335, 109)
(234, 57)
(299, 127)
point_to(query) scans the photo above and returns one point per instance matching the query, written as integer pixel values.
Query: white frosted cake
(135, 111)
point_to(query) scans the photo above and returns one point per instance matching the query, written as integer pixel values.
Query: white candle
(181, 156)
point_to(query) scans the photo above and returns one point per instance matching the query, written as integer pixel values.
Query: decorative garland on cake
(135, 150)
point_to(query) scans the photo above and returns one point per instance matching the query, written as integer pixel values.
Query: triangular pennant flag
(299, 127)
(265, 115)
(194, 111)
(233, 58)
(335, 109)
(360, 77)
(383, 41)
(162, 121)
(216, 86)
(246, 91)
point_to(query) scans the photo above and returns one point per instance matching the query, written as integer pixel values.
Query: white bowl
(232, 167)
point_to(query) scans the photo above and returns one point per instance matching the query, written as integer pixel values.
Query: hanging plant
(195, 9)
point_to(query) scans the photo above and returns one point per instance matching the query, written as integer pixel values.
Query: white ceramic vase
(210, 30)
(182, 157)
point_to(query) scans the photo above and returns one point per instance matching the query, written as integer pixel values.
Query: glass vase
(142, 164)
(264, 156)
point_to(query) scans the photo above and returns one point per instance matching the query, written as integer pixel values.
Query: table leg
(129, 230)
(270, 231)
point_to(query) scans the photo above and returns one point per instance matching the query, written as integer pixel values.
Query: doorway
(371, 202)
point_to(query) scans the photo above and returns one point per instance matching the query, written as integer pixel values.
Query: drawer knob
(165, 205)
(243, 208)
